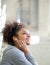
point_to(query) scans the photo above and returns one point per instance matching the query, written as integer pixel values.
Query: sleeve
(31, 59)
(18, 58)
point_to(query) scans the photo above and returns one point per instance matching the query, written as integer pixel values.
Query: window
(29, 13)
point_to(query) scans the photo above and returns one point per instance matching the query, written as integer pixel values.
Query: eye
(24, 33)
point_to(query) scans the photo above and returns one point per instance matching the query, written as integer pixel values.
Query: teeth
(27, 39)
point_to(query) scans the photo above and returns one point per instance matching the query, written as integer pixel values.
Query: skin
(22, 40)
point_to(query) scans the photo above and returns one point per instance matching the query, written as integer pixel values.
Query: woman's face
(24, 35)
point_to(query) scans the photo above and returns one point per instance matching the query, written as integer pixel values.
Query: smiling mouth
(28, 39)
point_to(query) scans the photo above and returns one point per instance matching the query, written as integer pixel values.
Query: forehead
(24, 30)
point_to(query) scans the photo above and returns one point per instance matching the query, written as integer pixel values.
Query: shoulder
(12, 51)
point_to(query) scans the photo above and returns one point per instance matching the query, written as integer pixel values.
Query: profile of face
(24, 35)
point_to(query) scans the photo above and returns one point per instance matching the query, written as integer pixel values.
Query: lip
(28, 39)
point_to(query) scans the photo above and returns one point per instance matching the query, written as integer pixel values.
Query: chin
(28, 43)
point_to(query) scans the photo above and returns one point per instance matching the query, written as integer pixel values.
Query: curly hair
(10, 30)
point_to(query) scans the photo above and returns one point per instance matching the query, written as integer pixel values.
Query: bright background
(36, 15)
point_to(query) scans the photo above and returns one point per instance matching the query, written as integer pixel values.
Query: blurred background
(35, 14)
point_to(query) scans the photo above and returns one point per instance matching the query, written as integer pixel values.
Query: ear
(14, 38)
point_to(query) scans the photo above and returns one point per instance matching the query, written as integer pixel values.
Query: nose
(28, 35)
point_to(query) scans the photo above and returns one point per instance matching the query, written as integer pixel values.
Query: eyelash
(24, 33)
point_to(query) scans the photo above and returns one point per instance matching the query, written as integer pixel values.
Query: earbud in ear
(14, 38)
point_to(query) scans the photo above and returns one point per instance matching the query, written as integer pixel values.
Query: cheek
(22, 38)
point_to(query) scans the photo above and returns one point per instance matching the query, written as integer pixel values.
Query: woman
(17, 37)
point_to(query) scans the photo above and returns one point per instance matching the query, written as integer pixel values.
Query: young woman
(17, 36)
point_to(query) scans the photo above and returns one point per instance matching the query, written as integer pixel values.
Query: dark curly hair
(10, 30)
